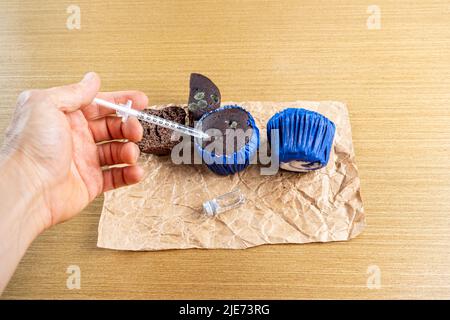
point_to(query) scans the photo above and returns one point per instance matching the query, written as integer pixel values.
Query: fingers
(106, 128)
(94, 111)
(119, 177)
(111, 128)
(74, 96)
(118, 153)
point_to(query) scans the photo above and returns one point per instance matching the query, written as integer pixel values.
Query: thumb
(75, 96)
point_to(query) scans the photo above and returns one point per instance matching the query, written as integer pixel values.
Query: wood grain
(395, 82)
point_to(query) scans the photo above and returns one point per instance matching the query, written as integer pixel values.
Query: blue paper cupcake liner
(305, 138)
(229, 164)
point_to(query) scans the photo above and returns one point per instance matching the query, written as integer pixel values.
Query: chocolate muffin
(156, 139)
(305, 139)
(232, 126)
(236, 124)
(204, 96)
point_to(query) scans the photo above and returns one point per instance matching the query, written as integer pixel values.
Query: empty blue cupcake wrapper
(304, 136)
(237, 161)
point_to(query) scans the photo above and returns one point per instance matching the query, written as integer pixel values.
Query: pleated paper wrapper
(164, 211)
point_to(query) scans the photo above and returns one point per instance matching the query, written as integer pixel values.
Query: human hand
(51, 145)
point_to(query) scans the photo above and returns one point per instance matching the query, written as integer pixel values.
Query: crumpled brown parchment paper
(164, 210)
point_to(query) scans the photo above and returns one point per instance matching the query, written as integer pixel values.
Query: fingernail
(88, 77)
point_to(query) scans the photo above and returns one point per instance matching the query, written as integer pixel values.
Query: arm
(52, 165)
(20, 220)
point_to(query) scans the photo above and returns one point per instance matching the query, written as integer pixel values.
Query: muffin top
(230, 130)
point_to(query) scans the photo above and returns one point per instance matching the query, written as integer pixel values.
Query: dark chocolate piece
(156, 139)
(204, 96)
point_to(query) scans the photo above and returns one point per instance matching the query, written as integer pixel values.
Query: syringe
(125, 110)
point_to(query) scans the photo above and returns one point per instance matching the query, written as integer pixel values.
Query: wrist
(22, 197)
(20, 221)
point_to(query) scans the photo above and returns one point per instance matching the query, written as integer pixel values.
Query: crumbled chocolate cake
(204, 96)
(156, 139)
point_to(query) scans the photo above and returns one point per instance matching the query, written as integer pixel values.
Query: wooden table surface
(395, 81)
